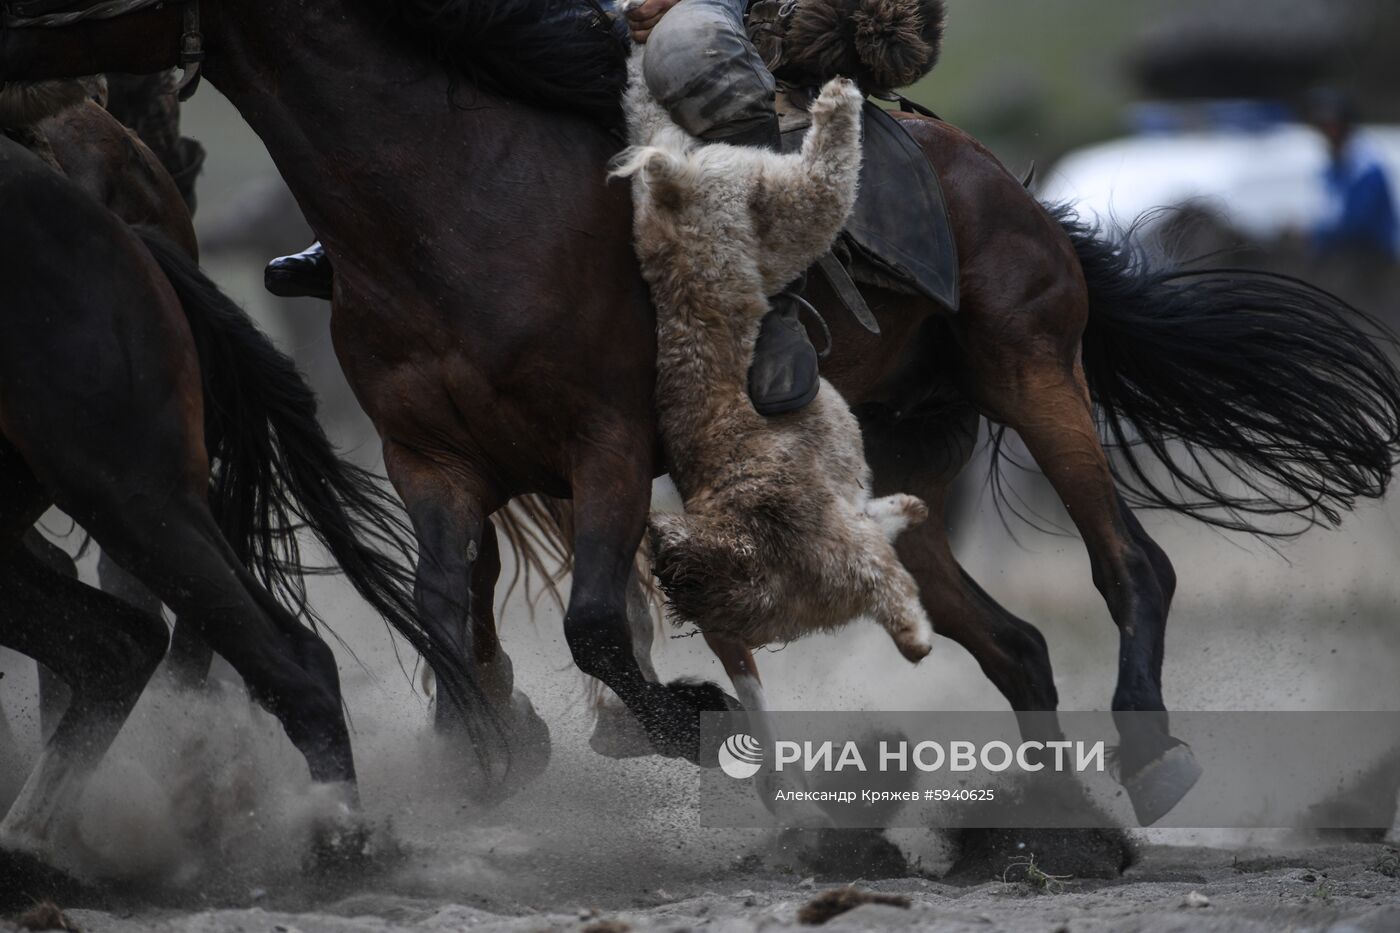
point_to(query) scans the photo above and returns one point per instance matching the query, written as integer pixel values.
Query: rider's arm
(643, 17)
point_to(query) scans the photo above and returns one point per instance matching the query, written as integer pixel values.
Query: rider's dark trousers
(700, 65)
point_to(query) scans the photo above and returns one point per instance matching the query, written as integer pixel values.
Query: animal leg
(137, 511)
(458, 563)
(53, 692)
(923, 455)
(739, 664)
(188, 658)
(802, 204)
(616, 732)
(895, 605)
(178, 550)
(611, 497)
(104, 651)
(1131, 572)
(893, 514)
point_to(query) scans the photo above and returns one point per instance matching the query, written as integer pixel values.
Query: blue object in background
(1361, 212)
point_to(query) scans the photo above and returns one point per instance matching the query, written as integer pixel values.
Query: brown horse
(489, 314)
(124, 374)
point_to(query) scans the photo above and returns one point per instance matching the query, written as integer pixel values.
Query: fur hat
(882, 44)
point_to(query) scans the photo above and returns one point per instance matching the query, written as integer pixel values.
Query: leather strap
(907, 105)
(846, 290)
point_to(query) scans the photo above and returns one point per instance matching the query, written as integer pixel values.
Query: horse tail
(275, 472)
(1232, 395)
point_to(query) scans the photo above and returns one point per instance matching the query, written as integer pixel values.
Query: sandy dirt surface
(201, 817)
(1338, 888)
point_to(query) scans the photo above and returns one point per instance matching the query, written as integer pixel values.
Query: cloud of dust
(206, 795)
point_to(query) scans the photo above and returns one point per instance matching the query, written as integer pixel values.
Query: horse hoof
(800, 814)
(504, 756)
(1160, 785)
(617, 734)
(674, 725)
(988, 854)
(529, 743)
(842, 854)
(29, 878)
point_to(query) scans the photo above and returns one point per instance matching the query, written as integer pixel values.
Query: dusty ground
(198, 820)
(1339, 888)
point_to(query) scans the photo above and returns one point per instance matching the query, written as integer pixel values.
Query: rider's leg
(700, 65)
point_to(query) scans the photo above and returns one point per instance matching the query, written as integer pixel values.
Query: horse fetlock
(314, 720)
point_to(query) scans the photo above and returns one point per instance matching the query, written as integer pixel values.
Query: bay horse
(124, 375)
(491, 319)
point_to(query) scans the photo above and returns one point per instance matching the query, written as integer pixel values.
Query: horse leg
(11, 776)
(188, 658)
(738, 663)
(616, 733)
(102, 649)
(145, 505)
(1049, 407)
(921, 456)
(530, 733)
(612, 493)
(458, 563)
(53, 692)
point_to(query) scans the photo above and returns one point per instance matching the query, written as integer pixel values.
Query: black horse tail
(275, 472)
(1255, 395)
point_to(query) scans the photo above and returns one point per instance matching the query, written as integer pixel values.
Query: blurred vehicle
(1252, 166)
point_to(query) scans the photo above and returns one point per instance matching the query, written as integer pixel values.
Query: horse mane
(555, 54)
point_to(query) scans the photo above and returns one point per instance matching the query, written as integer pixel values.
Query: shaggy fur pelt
(780, 536)
(24, 103)
(882, 44)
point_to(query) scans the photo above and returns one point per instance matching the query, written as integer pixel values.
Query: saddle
(899, 236)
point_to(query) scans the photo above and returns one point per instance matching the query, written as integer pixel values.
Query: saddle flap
(900, 226)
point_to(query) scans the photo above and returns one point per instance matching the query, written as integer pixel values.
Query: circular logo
(740, 756)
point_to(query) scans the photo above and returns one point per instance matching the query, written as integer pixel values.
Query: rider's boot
(306, 274)
(783, 376)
